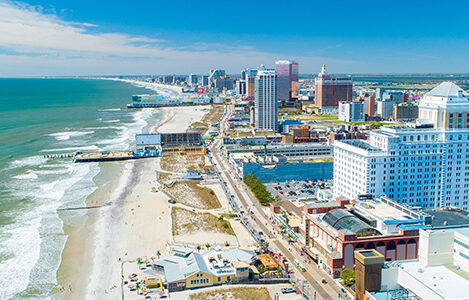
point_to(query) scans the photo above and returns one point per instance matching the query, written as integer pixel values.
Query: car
(288, 290)
(280, 188)
(171, 201)
(275, 187)
(310, 186)
(281, 193)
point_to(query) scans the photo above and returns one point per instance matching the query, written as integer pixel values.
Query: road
(259, 221)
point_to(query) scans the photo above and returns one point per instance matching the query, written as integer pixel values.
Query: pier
(104, 156)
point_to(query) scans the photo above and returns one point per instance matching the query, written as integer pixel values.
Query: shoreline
(89, 263)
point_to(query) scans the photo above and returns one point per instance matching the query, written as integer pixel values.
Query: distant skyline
(61, 38)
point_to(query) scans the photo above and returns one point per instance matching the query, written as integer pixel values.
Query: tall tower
(330, 90)
(266, 97)
(287, 72)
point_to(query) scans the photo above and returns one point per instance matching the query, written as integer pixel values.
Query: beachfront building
(413, 164)
(352, 111)
(266, 106)
(184, 268)
(330, 90)
(370, 223)
(287, 74)
(439, 272)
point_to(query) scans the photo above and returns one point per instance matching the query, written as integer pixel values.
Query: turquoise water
(42, 116)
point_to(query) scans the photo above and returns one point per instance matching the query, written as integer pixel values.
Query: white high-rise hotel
(266, 100)
(425, 164)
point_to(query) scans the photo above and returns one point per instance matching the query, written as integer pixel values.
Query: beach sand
(136, 223)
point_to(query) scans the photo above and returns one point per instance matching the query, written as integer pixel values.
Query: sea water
(47, 116)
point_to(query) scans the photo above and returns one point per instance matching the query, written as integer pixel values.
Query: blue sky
(59, 37)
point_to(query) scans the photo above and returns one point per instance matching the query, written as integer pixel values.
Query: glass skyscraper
(287, 73)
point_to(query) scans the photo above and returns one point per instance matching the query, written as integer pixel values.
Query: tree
(158, 253)
(199, 248)
(207, 246)
(227, 244)
(348, 276)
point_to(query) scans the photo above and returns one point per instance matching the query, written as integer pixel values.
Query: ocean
(45, 116)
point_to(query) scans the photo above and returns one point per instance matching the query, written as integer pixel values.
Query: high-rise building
(416, 164)
(193, 79)
(370, 106)
(222, 83)
(215, 74)
(384, 108)
(405, 112)
(250, 75)
(204, 80)
(287, 79)
(241, 87)
(266, 106)
(353, 111)
(330, 90)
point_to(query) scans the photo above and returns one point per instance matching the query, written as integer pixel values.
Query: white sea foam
(24, 244)
(66, 135)
(82, 148)
(28, 175)
(29, 161)
(109, 109)
(112, 121)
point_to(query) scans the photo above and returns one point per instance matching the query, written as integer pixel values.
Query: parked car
(171, 201)
(288, 290)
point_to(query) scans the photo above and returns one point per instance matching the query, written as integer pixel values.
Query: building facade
(193, 79)
(353, 111)
(330, 90)
(384, 109)
(425, 167)
(287, 74)
(266, 106)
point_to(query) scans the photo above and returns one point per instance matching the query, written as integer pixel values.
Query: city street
(259, 223)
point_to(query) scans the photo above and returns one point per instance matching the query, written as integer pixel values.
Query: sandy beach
(136, 222)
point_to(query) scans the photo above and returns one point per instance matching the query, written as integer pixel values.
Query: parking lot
(294, 190)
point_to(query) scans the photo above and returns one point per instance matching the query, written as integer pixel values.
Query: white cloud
(36, 42)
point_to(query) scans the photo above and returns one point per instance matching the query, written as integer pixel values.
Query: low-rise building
(381, 224)
(184, 268)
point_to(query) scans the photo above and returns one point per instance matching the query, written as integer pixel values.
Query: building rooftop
(347, 223)
(448, 218)
(388, 211)
(440, 279)
(447, 89)
(147, 139)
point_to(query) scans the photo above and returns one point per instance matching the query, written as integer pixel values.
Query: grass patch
(259, 190)
(313, 117)
(229, 216)
(185, 222)
(194, 195)
(241, 293)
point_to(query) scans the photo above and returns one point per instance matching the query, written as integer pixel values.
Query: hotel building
(266, 106)
(330, 90)
(415, 164)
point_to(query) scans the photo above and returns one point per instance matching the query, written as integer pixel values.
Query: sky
(101, 37)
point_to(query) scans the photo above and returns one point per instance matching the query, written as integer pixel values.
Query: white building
(266, 104)
(353, 111)
(440, 272)
(426, 167)
(384, 109)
